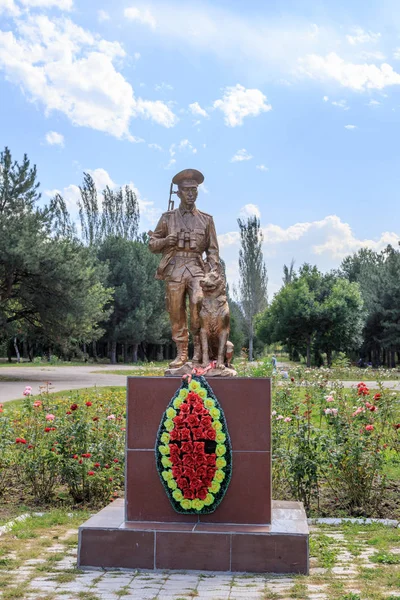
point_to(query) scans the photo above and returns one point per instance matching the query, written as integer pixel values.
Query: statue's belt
(187, 254)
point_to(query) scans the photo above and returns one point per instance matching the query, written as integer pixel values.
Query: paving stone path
(62, 581)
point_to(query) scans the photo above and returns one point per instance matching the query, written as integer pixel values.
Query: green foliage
(50, 285)
(253, 274)
(315, 312)
(378, 276)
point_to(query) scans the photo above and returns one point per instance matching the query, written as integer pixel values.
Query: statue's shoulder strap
(205, 214)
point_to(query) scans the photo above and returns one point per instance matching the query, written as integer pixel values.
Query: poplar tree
(253, 274)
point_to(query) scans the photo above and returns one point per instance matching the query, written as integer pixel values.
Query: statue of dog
(215, 321)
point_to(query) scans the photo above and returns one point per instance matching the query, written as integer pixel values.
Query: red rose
(115, 460)
(189, 472)
(377, 396)
(80, 461)
(188, 494)
(97, 465)
(86, 455)
(68, 412)
(188, 460)
(177, 472)
(198, 433)
(206, 421)
(106, 466)
(211, 434)
(369, 427)
(198, 408)
(211, 473)
(198, 447)
(175, 435)
(95, 419)
(75, 456)
(192, 421)
(110, 479)
(47, 429)
(174, 449)
(397, 426)
(202, 493)
(90, 472)
(30, 447)
(187, 447)
(211, 458)
(182, 483)
(88, 403)
(201, 472)
(196, 483)
(193, 397)
(184, 408)
(179, 421)
(207, 482)
(185, 433)
(199, 460)
(73, 406)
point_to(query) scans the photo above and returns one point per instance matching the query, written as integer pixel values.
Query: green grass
(16, 404)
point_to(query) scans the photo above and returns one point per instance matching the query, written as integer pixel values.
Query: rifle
(170, 201)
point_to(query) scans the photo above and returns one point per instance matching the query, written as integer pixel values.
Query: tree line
(87, 290)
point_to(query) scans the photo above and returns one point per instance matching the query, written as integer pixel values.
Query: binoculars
(186, 236)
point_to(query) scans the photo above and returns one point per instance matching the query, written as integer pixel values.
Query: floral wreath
(193, 449)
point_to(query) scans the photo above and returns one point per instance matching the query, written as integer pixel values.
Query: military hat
(188, 177)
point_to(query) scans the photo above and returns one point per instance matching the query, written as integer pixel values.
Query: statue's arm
(212, 251)
(157, 240)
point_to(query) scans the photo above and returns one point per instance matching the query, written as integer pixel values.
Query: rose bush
(65, 443)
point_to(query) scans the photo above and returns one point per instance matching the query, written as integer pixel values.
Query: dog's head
(213, 284)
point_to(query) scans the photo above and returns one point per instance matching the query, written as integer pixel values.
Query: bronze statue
(191, 269)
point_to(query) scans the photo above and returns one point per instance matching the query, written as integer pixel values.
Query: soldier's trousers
(176, 294)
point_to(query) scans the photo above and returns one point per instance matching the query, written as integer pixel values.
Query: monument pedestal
(247, 532)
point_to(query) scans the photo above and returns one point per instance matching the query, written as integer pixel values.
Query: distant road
(72, 378)
(61, 378)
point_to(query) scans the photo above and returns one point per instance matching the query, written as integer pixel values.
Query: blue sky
(290, 109)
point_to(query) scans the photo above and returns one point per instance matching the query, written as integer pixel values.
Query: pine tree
(253, 274)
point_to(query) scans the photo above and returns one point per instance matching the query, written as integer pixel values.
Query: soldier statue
(183, 236)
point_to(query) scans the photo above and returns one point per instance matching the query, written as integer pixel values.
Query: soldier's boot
(197, 349)
(181, 357)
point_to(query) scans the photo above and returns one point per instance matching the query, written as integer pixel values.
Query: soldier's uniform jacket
(196, 236)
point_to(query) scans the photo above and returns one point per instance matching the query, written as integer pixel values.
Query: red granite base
(108, 541)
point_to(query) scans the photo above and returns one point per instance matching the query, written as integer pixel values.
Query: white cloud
(68, 69)
(196, 109)
(54, 139)
(373, 103)
(262, 168)
(156, 111)
(241, 155)
(362, 37)
(358, 77)
(155, 147)
(325, 98)
(325, 243)
(249, 210)
(255, 44)
(8, 7)
(163, 87)
(372, 55)
(341, 104)
(145, 17)
(102, 15)
(238, 102)
(60, 4)
(350, 126)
